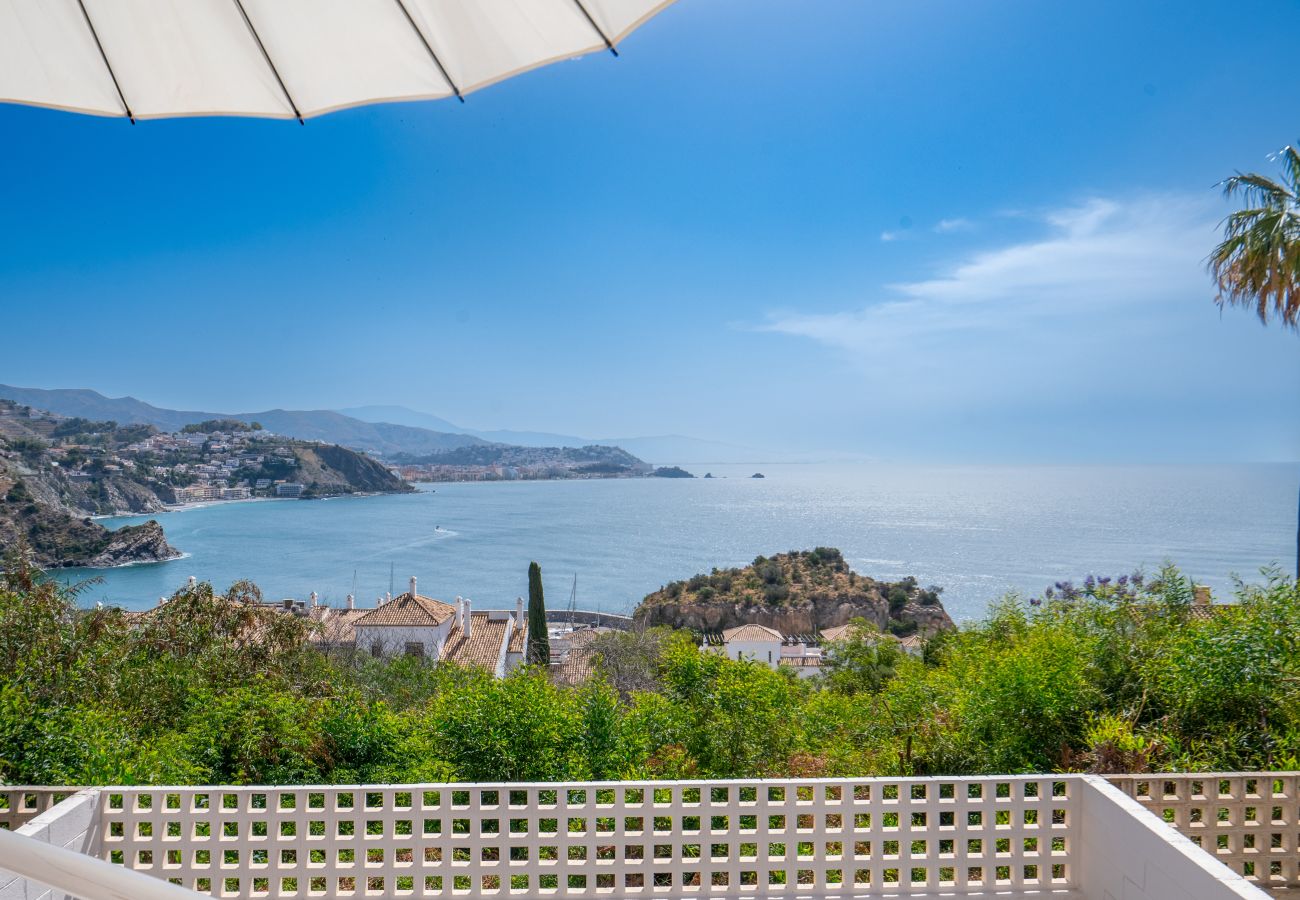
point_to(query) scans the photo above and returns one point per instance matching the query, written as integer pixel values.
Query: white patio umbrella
(144, 59)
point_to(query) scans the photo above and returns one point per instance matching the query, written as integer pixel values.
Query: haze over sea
(976, 531)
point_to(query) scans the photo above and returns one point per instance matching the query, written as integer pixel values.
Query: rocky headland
(57, 472)
(800, 592)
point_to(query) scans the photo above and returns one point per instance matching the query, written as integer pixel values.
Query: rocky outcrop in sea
(801, 592)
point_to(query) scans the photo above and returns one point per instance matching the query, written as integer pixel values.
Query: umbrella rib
(271, 63)
(427, 46)
(104, 56)
(609, 45)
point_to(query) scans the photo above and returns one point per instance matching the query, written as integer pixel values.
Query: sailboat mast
(573, 603)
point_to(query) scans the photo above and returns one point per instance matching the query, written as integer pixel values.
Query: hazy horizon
(928, 232)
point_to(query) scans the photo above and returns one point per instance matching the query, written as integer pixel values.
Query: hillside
(57, 539)
(661, 449)
(327, 470)
(330, 427)
(309, 425)
(799, 592)
(41, 507)
(55, 472)
(608, 458)
(93, 405)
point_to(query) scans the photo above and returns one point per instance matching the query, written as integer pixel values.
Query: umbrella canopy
(286, 59)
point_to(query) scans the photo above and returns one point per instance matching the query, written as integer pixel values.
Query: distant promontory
(800, 592)
(58, 471)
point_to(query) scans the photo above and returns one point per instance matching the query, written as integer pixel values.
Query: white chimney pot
(467, 623)
(519, 612)
(412, 586)
(351, 602)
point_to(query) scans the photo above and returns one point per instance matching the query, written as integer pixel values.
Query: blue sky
(933, 230)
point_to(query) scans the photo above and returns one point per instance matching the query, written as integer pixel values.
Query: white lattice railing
(720, 840)
(1249, 821)
(1069, 836)
(19, 805)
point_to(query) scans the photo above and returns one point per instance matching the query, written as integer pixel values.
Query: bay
(977, 531)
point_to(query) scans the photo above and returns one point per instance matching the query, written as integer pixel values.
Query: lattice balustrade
(1249, 821)
(628, 839)
(19, 805)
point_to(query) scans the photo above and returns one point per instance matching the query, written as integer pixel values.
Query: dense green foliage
(209, 426)
(217, 688)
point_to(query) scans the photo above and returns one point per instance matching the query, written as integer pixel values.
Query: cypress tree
(539, 642)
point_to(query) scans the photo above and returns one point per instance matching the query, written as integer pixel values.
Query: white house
(754, 642)
(413, 625)
(802, 655)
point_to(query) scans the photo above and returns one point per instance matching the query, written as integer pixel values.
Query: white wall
(69, 825)
(394, 638)
(768, 652)
(1127, 853)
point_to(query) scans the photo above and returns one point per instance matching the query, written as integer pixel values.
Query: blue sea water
(976, 531)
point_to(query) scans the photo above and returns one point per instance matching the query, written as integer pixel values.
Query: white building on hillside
(754, 642)
(802, 654)
(413, 625)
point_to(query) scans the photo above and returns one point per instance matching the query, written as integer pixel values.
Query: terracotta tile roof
(802, 662)
(335, 626)
(752, 632)
(581, 637)
(482, 648)
(405, 610)
(836, 632)
(519, 640)
(577, 666)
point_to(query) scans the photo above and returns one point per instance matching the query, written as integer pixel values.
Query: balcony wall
(1249, 821)
(1063, 836)
(19, 805)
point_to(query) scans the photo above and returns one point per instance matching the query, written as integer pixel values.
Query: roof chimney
(388, 597)
(351, 602)
(459, 620)
(1200, 595)
(519, 613)
(313, 599)
(193, 581)
(412, 587)
(466, 622)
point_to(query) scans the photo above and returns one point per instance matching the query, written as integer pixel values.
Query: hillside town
(221, 460)
(213, 466)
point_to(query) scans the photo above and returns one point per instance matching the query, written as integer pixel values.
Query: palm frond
(1257, 264)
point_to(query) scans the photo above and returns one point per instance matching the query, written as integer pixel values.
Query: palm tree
(1258, 263)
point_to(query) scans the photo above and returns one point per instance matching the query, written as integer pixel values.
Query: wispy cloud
(888, 236)
(946, 226)
(1096, 255)
(1106, 311)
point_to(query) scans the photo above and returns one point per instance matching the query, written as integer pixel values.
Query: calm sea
(976, 531)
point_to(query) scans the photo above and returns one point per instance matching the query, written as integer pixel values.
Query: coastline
(181, 507)
(204, 504)
(181, 554)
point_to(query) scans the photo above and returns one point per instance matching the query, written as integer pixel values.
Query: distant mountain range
(667, 448)
(386, 430)
(310, 425)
